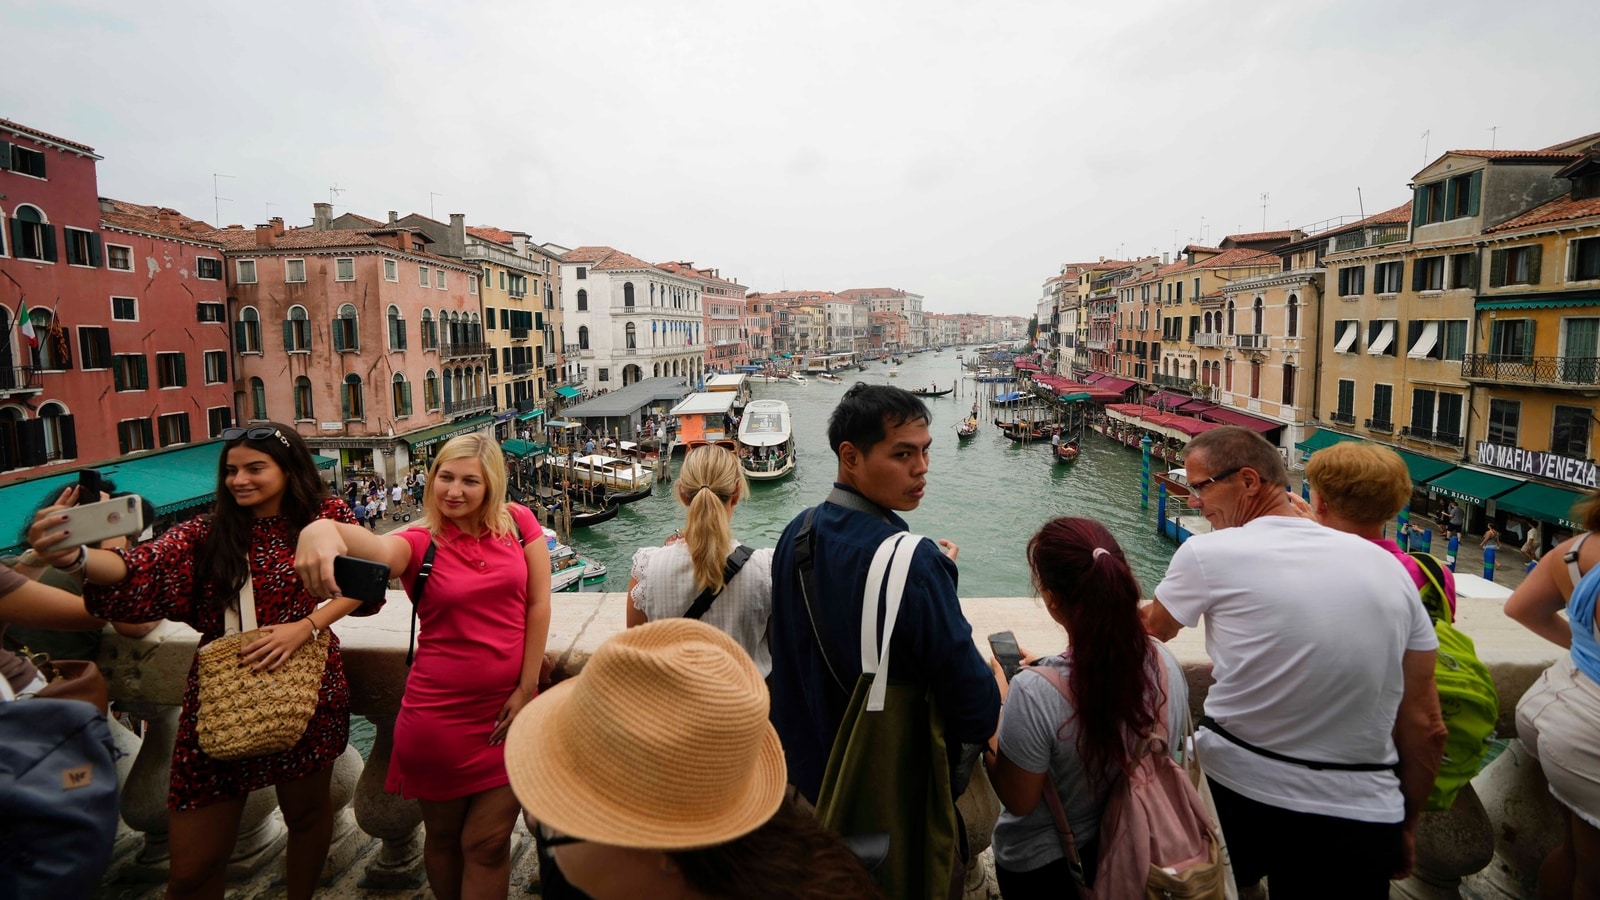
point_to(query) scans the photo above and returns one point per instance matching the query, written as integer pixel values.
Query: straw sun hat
(662, 743)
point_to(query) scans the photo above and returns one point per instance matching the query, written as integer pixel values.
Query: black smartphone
(360, 579)
(1006, 652)
(89, 489)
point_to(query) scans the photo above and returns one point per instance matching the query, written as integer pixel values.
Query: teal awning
(1540, 300)
(324, 462)
(568, 392)
(1424, 468)
(1472, 486)
(1322, 438)
(427, 437)
(530, 415)
(523, 449)
(1544, 503)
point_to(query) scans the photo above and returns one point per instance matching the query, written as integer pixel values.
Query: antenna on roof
(431, 195)
(333, 194)
(1264, 198)
(217, 198)
(1494, 132)
(270, 205)
(1425, 135)
(1359, 205)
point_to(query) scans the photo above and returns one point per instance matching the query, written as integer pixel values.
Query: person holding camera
(485, 614)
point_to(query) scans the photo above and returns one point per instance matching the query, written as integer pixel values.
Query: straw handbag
(244, 713)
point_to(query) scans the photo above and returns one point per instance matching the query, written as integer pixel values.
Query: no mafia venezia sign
(1580, 472)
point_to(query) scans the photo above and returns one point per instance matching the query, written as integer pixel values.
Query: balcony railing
(1173, 381)
(1447, 438)
(1250, 341)
(16, 379)
(1379, 425)
(1096, 344)
(467, 405)
(522, 368)
(1551, 371)
(460, 349)
(519, 333)
(1342, 418)
(1208, 340)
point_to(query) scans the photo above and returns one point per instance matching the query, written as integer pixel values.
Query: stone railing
(378, 836)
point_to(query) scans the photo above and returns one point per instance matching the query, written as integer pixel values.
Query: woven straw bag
(244, 713)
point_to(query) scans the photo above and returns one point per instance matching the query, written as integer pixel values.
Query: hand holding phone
(360, 579)
(1006, 652)
(94, 522)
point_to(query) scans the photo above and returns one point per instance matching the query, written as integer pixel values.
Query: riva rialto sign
(1537, 462)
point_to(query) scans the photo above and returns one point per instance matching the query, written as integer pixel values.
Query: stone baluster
(1528, 824)
(387, 817)
(144, 789)
(349, 842)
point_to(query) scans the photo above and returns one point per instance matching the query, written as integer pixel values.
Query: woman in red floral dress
(267, 490)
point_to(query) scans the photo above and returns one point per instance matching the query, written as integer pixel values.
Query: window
(1352, 281)
(1584, 260)
(472, 284)
(401, 395)
(1382, 403)
(83, 247)
(350, 401)
(217, 419)
(1346, 403)
(1380, 337)
(174, 428)
(210, 312)
(1569, 431)
(627, 295)
(605, 374)
(1517, 265)
(297, 331)
(422, 274)
(208, 268)
(31, 236)
(1422, 413)
(1288, 384)
(488, 315)
(119, 257)
(258, 399)
(1428, 274)
(246, 271)
(1511, 339)
(583, 337)
(583, 299)
(124, 309)
(1463, 271)
(294, 271)
(247, 331)
(438, 279)
(1387, 277)
(302, 399)
(134, 435)
(1255, 380)
(54, 350)
(130, 372)
(346, 337)
(1580, 350)
(94, 347)
(1294, 317)
(430, 331)
(60, 434)
(391, 270)
(171, 370)
(1452, 198)
(430, 390)
(397, 329)
(25, 161)
(632, 338)
(1447, 424)
(216, 362)
(583, 272)
(1504, 418)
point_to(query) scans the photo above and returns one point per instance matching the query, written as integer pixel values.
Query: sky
(962, 151)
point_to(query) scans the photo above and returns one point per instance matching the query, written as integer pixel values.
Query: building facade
(630, 320)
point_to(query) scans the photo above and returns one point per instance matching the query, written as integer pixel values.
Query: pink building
(723, 316)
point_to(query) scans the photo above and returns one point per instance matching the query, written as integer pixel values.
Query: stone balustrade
(147, 677)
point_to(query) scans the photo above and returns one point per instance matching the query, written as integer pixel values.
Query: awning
(1120, 385)
(324, 462)
(1093, 377)
(1541, 300)
(523, 449)
(1194, 407)
(1542, 502)
(1471, 485)
(1380, 344)
(1167, 399)
(427, 437)
(1348, 339)
(1234, 417)
(530, 415)
(568, 392)
(1323, 438)
(1424, 468)
(1425, 341)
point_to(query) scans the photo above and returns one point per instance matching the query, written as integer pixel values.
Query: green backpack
(1467, 696)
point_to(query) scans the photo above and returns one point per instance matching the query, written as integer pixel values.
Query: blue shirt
(1580, 618)
(931, 645)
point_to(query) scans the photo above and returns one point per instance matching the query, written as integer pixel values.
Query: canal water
(988, 495)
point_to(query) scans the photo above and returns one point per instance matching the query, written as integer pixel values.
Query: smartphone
(94, 522)
(89, 487)
(360, 579)
(1006, 652)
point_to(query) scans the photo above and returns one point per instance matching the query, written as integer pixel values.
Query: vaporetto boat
(766, 440)
(617, 474)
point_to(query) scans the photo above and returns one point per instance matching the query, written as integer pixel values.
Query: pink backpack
(1156, 838)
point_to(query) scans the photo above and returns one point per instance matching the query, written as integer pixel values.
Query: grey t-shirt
(1033, 736)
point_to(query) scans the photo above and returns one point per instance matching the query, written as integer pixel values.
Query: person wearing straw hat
(655, 773)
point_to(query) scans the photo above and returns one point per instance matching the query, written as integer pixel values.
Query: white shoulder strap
(244, 617)
(1571, 559)
(888, 572)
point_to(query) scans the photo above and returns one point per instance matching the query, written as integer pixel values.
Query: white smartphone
(94, 522)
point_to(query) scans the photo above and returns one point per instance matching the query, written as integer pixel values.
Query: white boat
(624, 475)
(830, 377)
(766, 440)
(762, 378)
(797, 378)
(894, 371)
(570, 572)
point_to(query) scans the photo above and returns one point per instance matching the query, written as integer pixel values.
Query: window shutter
(1419, 206)
(1534, 254)
(1527, 340)
(1452, 190)
(96, 257)
(338, 334)
(144, 372)
(1497, 268)
(405, 396)
(69, 437)
(240, 338)
(85, 345)
(49, 232)
(17, 227)
(30, 442)
(102, 341)
(183, 370)
(119, 382)
(288, 334)
(1474, 189)
(227, 416)
(5, 155)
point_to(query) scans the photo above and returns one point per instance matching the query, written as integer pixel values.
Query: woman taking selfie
(485, 614)
(268, 489)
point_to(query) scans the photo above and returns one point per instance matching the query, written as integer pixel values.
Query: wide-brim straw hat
(662, 742)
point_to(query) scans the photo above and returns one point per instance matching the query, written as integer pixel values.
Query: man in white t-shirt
(1322, 735)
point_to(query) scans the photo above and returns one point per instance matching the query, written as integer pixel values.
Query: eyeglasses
(553, 838)
(1195, 486)
(258, 433)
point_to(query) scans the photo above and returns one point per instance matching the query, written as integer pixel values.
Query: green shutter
(240, 338)
(288, 334)
(1474, 189)
(49, 232)
(1416, 276)
(1534, 254)
(144, 372)
(96, 256)
(344, 401)
(338, 334)
(183, 371)
(1419, 205)
(118, 382)
(1527, 341)
(1450, 193)
(5, 155)
(1497, 268)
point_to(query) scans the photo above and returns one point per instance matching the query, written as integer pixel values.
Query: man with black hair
(880, 436)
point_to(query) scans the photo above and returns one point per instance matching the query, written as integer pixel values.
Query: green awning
(1542, 502)
(1074, 398)
(1472, 486)
(324, 462)
(1540, 300)
(1323, 438)
(523, 449)
(1424, 468)
(427, 437)
(530, 415)
(568, 392)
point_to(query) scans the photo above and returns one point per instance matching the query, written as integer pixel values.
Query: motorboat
(616, 474)
(570, 572)
(894, 371)
(797, 378)
(830, 378)
(766, 440)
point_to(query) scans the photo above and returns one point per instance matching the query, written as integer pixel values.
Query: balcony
(20, 380)
(1095, 344)
(463, 349)
(1383, 425)
(1444, 438)
(1208, 340)
(1250, 341)
(468, 405)
(1173, 381)
(522, 368)
(1342, 418)
(519, 333)
(1545, 371)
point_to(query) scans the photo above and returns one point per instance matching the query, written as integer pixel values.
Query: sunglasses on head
(257, 433)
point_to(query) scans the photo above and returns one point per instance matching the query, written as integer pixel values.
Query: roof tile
(34, 132)
(1561, 209)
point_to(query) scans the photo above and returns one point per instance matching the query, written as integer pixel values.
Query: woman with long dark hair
(1080, 747)
(268, 489)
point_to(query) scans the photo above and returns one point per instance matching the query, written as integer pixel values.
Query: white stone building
(629, 320)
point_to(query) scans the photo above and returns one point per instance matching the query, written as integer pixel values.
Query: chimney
(322, 216)
(1166, 258)
(456, 244)
(394, 218)
(520, 242)
(264, 235)
(277, 225)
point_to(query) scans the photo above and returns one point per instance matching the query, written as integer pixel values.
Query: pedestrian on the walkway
(1532, 548)
(1458, 519)
(1491, 538)
(362, 512)
(397, 495)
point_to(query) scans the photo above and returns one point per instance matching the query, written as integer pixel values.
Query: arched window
(475, 329)
(53, 351)
(1294, 316)
(345, 335)
(1230, 321)
(1288, 384)
(631, 334)
(1255, 380)
(400, 392)
(1257, 315)
(350, 399)
(430, 331)
(60, 437)
(430, 390)
(583, 300)
(31, 236)
(302, 399)
(1227, 375)
(397, 329)
(297, 330)
(258, 399)
(583, 337)
(627, 294)
(655, 370)
(247, 331)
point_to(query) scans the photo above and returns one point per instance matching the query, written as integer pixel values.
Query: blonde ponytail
(710, 477)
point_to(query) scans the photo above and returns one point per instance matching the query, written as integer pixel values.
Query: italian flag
(27, 325)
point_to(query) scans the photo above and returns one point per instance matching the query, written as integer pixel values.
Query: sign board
(1580, 472)
(332, 426)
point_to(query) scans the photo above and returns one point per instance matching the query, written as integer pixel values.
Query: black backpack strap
(417, 586)
(805, 565)
(736, 561)
(1211, 725)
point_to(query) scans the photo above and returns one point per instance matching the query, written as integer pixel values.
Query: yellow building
(514, 324)
(1276, 338)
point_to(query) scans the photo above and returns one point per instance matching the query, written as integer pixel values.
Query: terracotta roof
(1239, 256)
(239, 239)
(1258, 236)
(1587, 141)
(45, 135)
(1197, 248)
(153, 220)
(490, 233)
(605, 258)
(1517, 154)
(1400, 215)
(1561, 209)
(821, 296)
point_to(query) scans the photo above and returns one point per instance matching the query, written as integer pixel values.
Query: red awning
(1167, 400)
(1234, 417)
(1093, 377)
(1195, 407)
(1119, 385)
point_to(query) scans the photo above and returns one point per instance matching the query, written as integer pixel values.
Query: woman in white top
(666, 580)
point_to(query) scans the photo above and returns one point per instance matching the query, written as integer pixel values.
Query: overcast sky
(959, 150)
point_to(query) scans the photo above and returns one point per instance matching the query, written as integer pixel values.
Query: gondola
(924, 392)
(1067, 452)
(585, 519)
(633, 497)
(968, 428)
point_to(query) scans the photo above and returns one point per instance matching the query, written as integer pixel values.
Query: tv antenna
(1264, 198)
(431, 195)
(1494, 132)
(217, 198)
(333, 193)
(270, 205)
(1425, 136)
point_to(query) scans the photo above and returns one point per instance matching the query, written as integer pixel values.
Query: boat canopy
(766, 423)
(709, 404)
(732, 382)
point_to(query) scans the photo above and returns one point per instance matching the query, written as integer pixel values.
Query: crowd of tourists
(816, 720)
